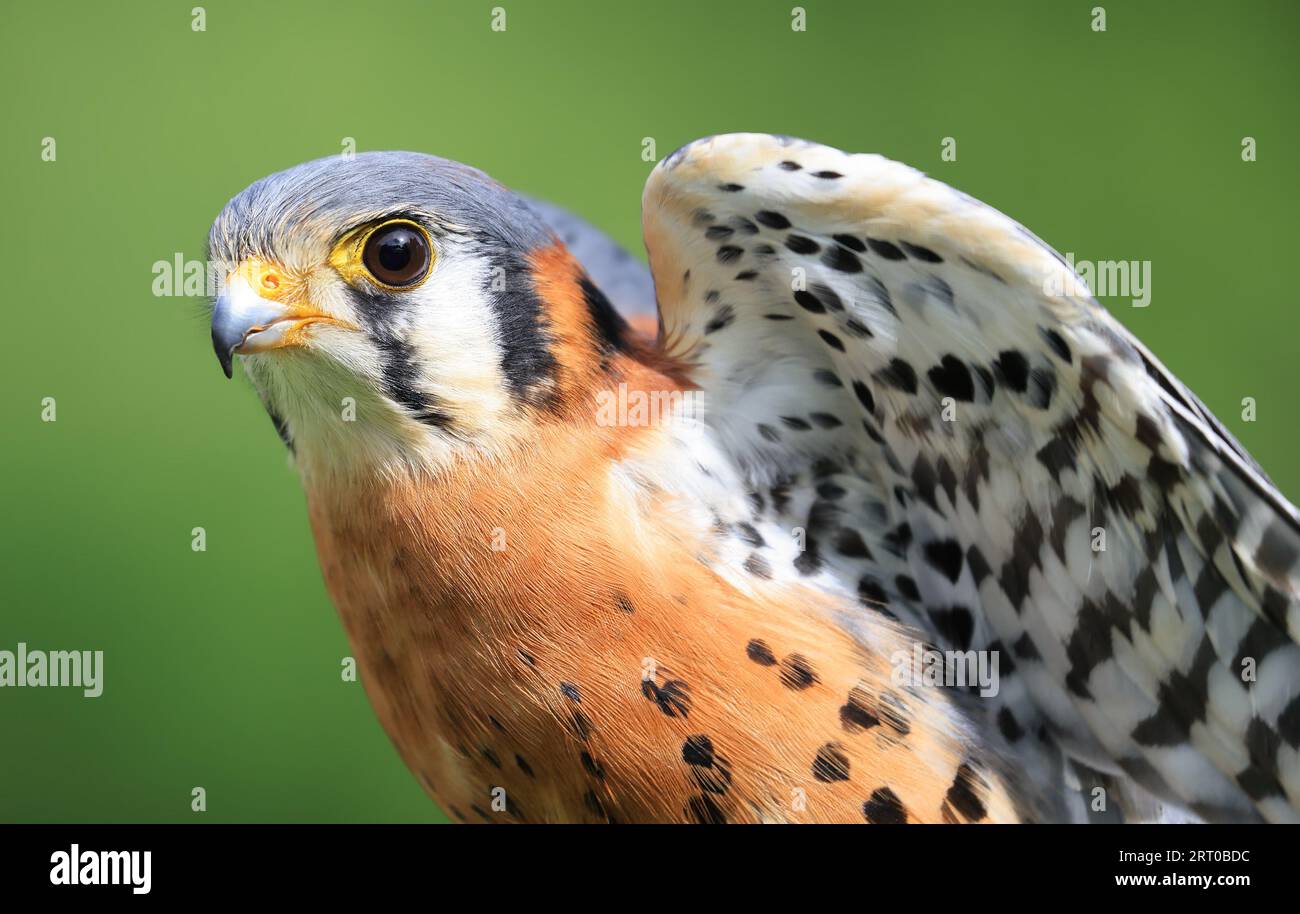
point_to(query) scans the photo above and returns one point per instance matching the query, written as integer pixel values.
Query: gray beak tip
(225, 351)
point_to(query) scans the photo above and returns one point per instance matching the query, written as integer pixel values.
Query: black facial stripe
(401, 377)
(611, 330)
(281, 428)
(378, 312)
(526, 361)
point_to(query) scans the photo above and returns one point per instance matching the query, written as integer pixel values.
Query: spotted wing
(974, 444)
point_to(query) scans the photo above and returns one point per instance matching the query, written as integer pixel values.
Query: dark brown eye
(397, 254)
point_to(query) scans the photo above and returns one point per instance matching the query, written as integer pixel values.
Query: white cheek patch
(453, 336)
(448, 327)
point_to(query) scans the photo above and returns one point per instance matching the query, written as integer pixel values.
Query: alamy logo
(78, 867)
(646, 408)
(1129, 279)
(56, 669)
(954, 669)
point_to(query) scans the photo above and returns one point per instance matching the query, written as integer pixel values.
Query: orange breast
(543, 646)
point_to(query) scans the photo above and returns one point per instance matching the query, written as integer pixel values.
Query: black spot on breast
(1012, 369)
(729, 253)
(898, 539)
(884, 808)
(825, 420)
(1057, 343)
(581, 725)
(828, 296)
(771, 219)
(673, 697)
(964, 794)
(731, 188)
(790, 166)
(864, 396)
(624, 604)
(906, 588)
(1025, 648)
(831, 764)
(829, 378)
(848, 542)
(885, 249)
(900, 375)
(698, 750)
(591, 766)
(871, 592)
(1042, 384)
(781, 495)
(1288, 723)
(491, 757)
(801, 245)
(921, 253)
(758, 651)
(827, 175)
(954, 624)
(524, 766)
(979, 566)
(794, 422)
(1162, 473)
(704, 810)
(852, 242)
(946, 556)
(809, 302)
(722, 319)
(830, 490)
(758, 566)
(856, 714)
(797, 673)
(570, 691)
(719, 232)
(1009, 726)
(809, 561)
(831, 340)
(838, 258)
(951, 378)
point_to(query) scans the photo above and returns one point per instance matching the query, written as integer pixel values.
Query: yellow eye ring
(396, 255)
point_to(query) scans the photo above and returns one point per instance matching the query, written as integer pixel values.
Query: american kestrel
(701, 575)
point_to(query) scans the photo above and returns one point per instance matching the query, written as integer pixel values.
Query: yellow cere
(270, 281)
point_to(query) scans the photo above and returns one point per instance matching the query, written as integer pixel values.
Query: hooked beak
(245, 322)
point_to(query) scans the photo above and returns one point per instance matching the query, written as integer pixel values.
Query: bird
(873, 521)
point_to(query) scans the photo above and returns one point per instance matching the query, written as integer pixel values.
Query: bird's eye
(397, 254)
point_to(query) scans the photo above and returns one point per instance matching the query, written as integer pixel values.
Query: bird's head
(398, 306)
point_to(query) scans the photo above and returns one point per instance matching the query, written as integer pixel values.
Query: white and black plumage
(909, 432)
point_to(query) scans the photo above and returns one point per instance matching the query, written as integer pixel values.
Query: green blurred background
(222, 668)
